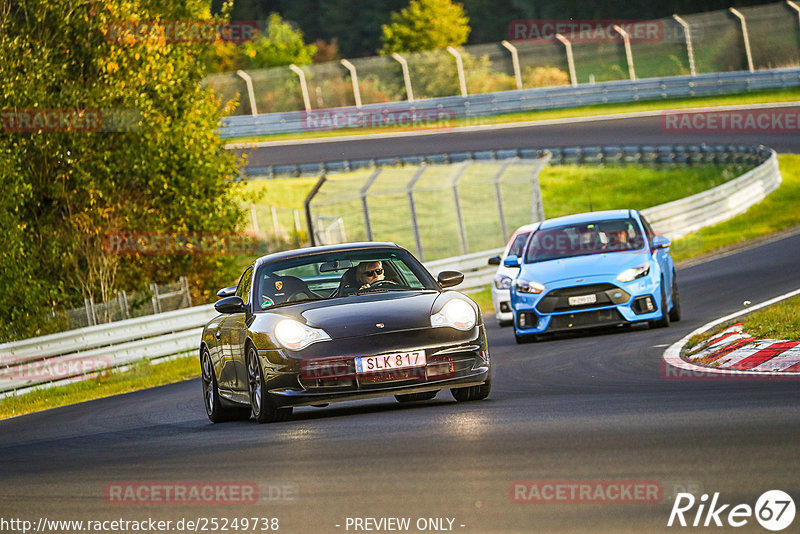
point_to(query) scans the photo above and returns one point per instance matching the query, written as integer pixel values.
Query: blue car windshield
(581, 239)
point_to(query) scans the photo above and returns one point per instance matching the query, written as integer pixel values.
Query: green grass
(779, 321)
(760, 97)
(775, 213)
(140, 376)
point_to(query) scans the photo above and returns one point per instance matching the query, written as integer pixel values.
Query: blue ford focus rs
(598, 269)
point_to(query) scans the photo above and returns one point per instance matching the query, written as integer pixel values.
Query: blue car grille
(576, 321)
(557, 300)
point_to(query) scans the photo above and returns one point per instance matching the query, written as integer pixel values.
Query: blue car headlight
(628, 275)
(529, 286)
(502, 281)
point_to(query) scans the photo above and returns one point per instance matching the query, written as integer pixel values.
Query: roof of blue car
(588, 217)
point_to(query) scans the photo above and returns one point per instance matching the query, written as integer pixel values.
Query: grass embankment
(140, 375)
(565, 190)
(779, 321)
(765, 97)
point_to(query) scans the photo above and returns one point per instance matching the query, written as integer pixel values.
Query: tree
(425, 25)
(279, 45)
(162, 169)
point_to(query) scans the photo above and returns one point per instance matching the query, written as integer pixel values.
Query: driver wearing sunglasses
(369, 272)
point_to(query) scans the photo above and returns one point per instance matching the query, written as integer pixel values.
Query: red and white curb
(733, 352)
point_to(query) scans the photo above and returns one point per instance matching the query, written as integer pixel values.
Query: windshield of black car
(580, 239)
(338, 275)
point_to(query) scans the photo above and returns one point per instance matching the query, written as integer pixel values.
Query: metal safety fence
(747, 39)
(438, 210)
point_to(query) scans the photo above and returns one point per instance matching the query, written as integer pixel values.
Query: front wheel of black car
(472, 393)
(416, 397)
(675, 312)
(264, 409)
(217, 413)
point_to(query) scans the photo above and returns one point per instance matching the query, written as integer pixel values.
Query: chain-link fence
(159, 299)
(438, 211)
(716, 40)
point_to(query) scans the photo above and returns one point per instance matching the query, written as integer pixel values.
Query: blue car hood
(610, 264)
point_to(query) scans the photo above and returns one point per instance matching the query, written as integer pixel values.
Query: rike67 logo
(774, 510)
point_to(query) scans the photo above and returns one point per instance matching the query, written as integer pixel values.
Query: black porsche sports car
(340, 322)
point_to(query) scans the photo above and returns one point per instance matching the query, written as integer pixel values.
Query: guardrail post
(460, 67)
(628, 54)
(413, 208)
(364, 207)
(498, 194)
(249, 82)
(745, 36)
(354, 77)
(303, 85)
(687, 34)
(307, 205)
(514, 62)
(570, 59)
(459, 215)
(406, 76)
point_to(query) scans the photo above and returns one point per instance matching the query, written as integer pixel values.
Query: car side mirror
(226, 292)
(661, 241)
(494, 260)
(450, 278)
(512, 261)
(233, 304)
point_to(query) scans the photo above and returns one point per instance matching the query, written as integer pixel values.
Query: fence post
(156, 301)
(499, 195)
(249, 82)
(364, 206)
(123, 303)
(254, 219)
(354, 77)
(460, 67)
(406, 76)
(297, 222)
(276, 227)
(303, 85)
(537, 206)
(185, 291)
(746, 37)
(413, 209)
(90, 316)
(628, 54)
(688, 37)
(795, 7)
(460, 216)
(570, 59)
(514, 61)
(307, 204)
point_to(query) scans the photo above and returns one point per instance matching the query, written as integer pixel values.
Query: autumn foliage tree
(425, 25)
(162, 169)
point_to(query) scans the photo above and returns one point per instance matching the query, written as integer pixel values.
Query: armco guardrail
(560, 97)
(71, 355)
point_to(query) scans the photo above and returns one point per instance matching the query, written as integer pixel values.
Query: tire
(416, 397)
(524, 338)
(261, 404)
(472, 393)
(664, 321)
(505, 323)
(216, 412)
(675, 312)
